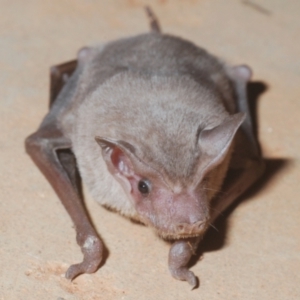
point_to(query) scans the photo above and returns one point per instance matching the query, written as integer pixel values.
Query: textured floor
(255, 254)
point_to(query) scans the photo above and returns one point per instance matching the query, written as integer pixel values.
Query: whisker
(220, 212)
(208, 189)
(214, 227)
(220, 192)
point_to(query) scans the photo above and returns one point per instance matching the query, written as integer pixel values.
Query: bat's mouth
(183, 231)
(173, 236)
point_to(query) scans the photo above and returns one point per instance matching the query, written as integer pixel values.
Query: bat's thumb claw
(185, 275)
(192, 280)
(73, 272)
(87, 266)
(92, 249)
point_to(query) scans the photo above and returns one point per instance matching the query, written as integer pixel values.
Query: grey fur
(153, 91)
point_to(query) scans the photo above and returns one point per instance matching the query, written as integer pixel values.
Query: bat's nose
(195, 228)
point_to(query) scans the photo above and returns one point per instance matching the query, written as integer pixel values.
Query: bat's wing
(51, 151)
(247, 162)
(250, 168)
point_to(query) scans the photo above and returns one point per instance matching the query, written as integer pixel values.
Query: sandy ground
(255, 254)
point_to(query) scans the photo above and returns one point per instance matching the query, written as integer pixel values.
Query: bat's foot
(179, 256)
(92, 249)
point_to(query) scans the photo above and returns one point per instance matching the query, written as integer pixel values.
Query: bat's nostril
(181, 227)
(190, 228)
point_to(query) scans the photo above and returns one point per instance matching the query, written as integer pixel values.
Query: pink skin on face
(174, 214)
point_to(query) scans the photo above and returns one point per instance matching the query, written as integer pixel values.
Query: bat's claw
(92, 249)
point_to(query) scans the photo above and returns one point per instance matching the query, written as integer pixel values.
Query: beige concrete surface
(255, 254)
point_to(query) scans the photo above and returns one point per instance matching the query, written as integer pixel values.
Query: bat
(154, 125)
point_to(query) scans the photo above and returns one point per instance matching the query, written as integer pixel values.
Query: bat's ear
(117, 156)
(214, 143)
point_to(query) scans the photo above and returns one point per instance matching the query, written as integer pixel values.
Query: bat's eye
(144, 187)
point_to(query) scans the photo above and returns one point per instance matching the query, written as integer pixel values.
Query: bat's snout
(182, 215)
(191, 229)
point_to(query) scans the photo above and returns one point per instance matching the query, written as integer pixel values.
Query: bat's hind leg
(59, 76)
(240, 76)
(154, 24)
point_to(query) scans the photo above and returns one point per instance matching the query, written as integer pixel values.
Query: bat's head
(176, 206)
